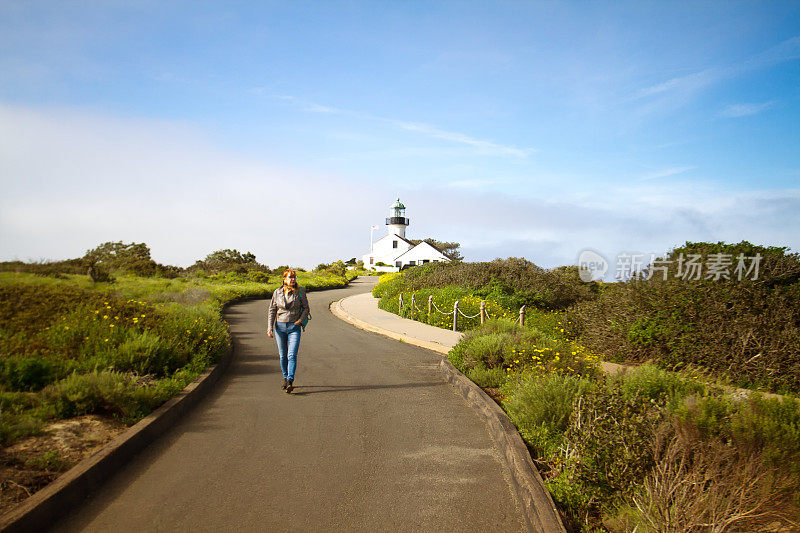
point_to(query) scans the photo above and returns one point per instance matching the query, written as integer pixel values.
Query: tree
(337, 268)
(449, 249)
(133, 258)
(228, 260)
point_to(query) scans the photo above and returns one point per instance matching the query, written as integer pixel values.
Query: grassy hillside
(69, 346)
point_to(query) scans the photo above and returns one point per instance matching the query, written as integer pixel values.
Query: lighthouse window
(425, 261)
(394, 244)
(412, 263)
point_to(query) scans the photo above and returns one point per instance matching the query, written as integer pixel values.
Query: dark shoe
(285, 382)
(289, 386)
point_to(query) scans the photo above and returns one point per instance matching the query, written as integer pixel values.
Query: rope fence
(483, 314)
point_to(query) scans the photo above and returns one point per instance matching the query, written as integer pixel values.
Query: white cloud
(482, 146)
(665, 173)
(308, 107)
(649, 218)
(71, 180)
(486, 147)
(678, 90)
(744, 110)
(470, 184)
(689, 83)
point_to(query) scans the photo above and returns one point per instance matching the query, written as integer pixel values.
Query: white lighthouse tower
(397, 221)
(393, 251)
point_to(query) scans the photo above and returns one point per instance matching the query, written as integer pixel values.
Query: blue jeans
(288, 337)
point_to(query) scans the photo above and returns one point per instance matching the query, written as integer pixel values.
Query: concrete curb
(540, 512)
(46, 506)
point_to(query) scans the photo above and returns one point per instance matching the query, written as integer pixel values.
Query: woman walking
(287, 311)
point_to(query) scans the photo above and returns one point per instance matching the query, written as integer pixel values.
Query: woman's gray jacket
(283, 308)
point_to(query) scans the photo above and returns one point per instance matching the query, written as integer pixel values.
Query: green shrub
(612, 434)
(81, 394)
(503, 343)
(26, 373)
(145, 353)
(513, 282)
(770, 427)
(541, 405)
(258, 276)
(18, 418)
(49, 460)
(487, 377)
(662, 387)
(492, 350)
(745, 331)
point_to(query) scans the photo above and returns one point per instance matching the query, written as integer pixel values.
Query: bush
(133, 258)
(506, 344)
(667, 389)
(487, 377)
(26, 373)
(258, 276)
(698, 482)
(229, 260)
(611, 434)
(49, 460)
(512, 282)
(46, 268)
(145, 353)
(747, 332)
(541, 405)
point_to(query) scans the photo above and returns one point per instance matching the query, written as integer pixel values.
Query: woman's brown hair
(286, 288)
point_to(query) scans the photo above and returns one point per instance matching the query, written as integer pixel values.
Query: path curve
(373, 439)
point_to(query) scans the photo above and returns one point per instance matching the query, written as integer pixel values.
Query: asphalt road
(372, 439)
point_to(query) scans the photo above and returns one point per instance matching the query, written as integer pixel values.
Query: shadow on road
(252, 364)
(302, 390)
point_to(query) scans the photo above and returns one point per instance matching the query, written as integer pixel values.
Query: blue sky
(287, 128)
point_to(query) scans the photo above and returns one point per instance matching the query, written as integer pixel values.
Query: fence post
(483, 312)
(413, 304)
(400, 305)
(455, 316)
(430, 307)
(522, 316)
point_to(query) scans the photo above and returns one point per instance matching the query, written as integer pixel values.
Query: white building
(394, 250)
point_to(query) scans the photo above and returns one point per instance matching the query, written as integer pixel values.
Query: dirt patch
(32, 463)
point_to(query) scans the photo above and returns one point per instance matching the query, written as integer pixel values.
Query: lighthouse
(393, 251)
(397, 221)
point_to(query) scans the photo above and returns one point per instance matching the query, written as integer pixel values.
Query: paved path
(363, 311)
(373, 439)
